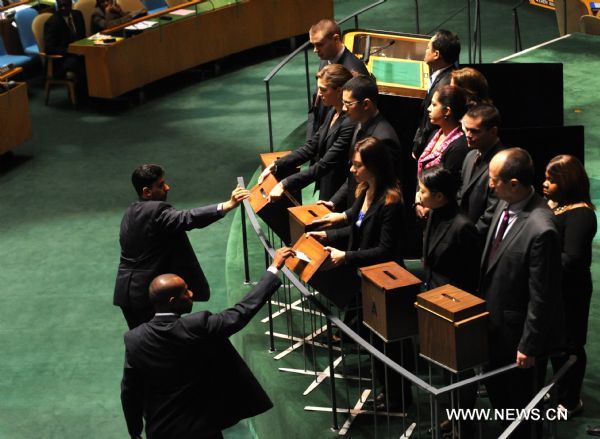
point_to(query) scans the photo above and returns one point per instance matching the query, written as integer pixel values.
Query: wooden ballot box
(267, 158)
(274, 214)
(315, 251)
(388, 296)
(339, 285)
(453, 328)
(301, 218)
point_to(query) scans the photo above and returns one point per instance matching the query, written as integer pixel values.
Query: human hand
(319, 236)
(281, 255)
(268, 170)
(337, 257)
(237, 196)
(328, 204)
(525, 361)
(276, 193)
(422, 212)
(329, 220)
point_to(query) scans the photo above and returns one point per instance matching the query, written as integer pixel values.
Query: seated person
(109, 14)
(329, 147)
(65, 27)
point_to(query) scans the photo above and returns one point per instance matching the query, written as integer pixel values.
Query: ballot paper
(182, 12)
(142, 25)
(302, 256)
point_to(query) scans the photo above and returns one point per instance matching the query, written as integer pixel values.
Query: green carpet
(63, 195)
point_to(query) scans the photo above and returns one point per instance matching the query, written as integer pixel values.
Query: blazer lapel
(491, 232)
(333, 129)
(440, 231)
(510, 236)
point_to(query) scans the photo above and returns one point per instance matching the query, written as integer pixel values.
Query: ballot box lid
(267, 158)
(259, 194)
(316, 253)
(308, 213)
(389, 276)
(451, 303)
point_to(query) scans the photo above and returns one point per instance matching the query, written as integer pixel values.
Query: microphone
(381, 48)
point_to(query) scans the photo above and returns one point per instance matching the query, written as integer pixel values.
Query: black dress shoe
(594, 431)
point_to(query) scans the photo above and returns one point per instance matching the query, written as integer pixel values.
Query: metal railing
(435, 393)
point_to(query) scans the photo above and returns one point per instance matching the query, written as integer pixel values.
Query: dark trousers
(569, 386)
(136, 316)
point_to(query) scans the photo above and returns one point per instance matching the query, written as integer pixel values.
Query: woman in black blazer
(567, 188)
(327, 150)
(373, 232)
(451, 244)
(373, 225)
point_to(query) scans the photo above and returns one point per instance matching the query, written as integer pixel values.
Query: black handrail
(395, 367)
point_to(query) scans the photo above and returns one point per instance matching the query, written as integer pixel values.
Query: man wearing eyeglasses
(326, 38)
(360, 96)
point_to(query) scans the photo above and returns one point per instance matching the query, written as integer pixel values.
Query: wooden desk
(14, 114)
(186, 42)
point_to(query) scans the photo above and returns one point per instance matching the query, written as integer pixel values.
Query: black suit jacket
(521, 284)
(475, 197)
(58, 36)
(317, 111)
(451, 249)
(183, 376)
(380, 238)
(329, 150)
(153, 242)
(425, 127)
(383, 131)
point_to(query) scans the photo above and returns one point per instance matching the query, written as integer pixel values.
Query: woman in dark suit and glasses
(451, 245)
(327, 150)
(567, 188)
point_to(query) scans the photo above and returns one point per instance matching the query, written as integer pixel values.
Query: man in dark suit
(520, 281)
(360, 96)
(182, 375)
(441, 56)
(154, 241)
(65, 27)
(326, 38)
(475, 197)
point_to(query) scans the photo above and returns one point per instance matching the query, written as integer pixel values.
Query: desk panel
(186, 42)
(14, 117)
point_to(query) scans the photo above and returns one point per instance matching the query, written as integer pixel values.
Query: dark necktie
(476, 162)
(502, 225)
(71, 24)
(354, 137)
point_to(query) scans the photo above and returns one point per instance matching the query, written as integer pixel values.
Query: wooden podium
(274, 214)
(302, 217)
(453, 328)
(388, 297)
